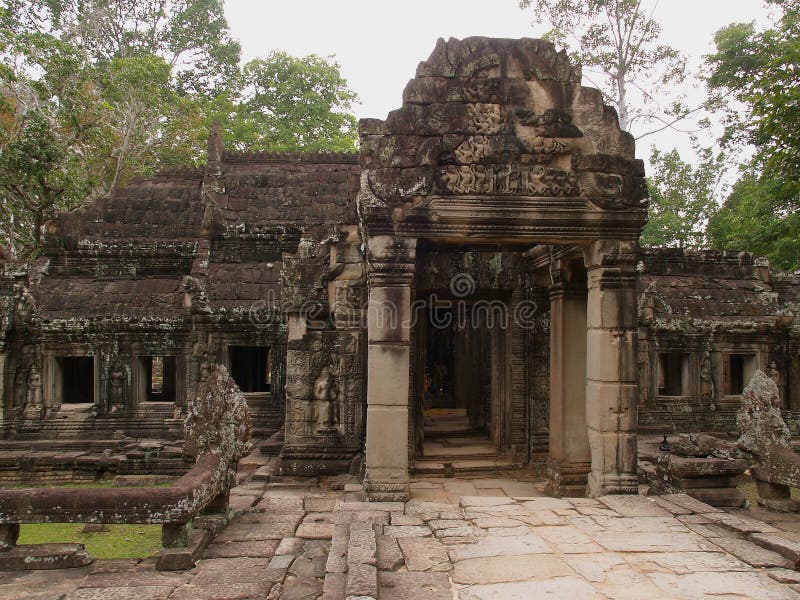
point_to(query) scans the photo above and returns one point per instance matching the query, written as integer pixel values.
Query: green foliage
(292, 104)
(617, 42)
(94, 92)
(759, 217)
(756, 81)
(681, 199)
(118, 541)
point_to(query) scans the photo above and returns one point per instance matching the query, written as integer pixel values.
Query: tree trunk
(622, 105)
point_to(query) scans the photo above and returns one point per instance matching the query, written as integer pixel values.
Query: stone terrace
(456, 538)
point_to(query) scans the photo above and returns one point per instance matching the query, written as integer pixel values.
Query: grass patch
(747, 485)
(119, 541)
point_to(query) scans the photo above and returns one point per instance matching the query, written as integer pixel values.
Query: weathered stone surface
(412, 586)
(733, 584)
(753, 554)
(498, 546)
(406, 531)
(389, 555)
(44, 556)
(619, 541)
(255, 549)
(499, 569)
(562, 587)
(424, 554)
(362, 580)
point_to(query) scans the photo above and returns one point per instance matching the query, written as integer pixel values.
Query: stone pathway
(488, 538)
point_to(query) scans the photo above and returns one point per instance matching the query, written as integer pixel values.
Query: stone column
(389, 319)
(569, 457)
(611, 369)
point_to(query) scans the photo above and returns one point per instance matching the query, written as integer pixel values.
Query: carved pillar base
(386, 485)
(565, 479)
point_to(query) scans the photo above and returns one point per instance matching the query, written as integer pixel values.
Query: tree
(617, 42)
(759, 69)
(748, 220)
(681, 199)
(290, 104)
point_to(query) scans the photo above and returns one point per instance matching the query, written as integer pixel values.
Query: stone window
(159, 375)
(737, 369)
(672, 374)
(77, 379)
(250, 368)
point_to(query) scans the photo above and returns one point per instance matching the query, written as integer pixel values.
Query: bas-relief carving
(325, 408)
(485, 118)
(532, 180)
(708, 386)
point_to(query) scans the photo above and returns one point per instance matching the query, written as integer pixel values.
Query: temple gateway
(477, 262)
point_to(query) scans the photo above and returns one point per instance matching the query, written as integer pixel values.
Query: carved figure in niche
(33, 397)
(708, 387)
(326, 402)
(485, 118)
(116, 396)
(774, 373)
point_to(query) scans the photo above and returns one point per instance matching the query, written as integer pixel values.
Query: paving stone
(546, 503)
(784, 575)
(619, 541)
(741, 525)
(236, 576)
(242, 502)
(262, 548)
(674, 509)
(18, 592)
(402, 519)
(406, 531)
(361, 547)
(378, 517)
(414, 586)
(290, 545)
(308, 567)
(466, 531)
(641, 524)
(155, 592)
(499, 569)
(372, 506)
(424, 554)
(231, 564)
(297, 588)
(226, 591)
(337, 556)
(786, 548)
(316, 526)
(316, 548)
(594, 567)
(682, 563)
(568, 540)
(334, 586)
(487, 522)
(562, 587)
(692, 504)
(499, 546)
(729, 584)
(134, 579)
(278, 505)
(446, 523)
(362, 580)
(548, 517)
(389, 555)
(318, 505)
(281, 561)
(634, 506)
(753, 554)
(471, 501)
(508, 531)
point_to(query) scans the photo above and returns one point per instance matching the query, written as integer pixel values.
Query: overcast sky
(379, 44)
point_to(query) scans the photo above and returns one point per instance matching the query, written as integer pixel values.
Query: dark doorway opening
(77, 383)
(159, 378)
(457, 385)
(250, 368)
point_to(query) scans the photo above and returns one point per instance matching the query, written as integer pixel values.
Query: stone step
(464, 466)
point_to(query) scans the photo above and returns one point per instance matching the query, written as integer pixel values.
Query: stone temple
(479, 257)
